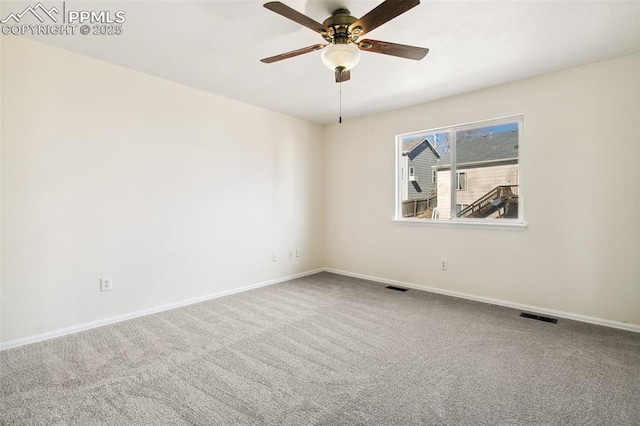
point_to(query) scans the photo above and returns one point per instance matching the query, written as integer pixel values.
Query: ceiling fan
(341, 31)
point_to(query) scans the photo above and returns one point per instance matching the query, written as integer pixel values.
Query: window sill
(512, 226)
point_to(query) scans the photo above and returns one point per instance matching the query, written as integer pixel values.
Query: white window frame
(516, 224)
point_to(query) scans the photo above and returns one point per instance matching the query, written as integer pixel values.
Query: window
(475, 173)
(460, 207)
(461, 181)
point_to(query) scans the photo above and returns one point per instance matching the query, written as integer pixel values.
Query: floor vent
(539, 317)
(390, 287)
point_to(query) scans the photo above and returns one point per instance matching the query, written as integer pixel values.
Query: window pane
(461, 181)
(464, 172)
(418, 179)
(487, 163)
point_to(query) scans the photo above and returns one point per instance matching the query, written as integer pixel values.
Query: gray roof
(414, 147)
(474, 149)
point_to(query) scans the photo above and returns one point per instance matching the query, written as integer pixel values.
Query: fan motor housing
(338, 24)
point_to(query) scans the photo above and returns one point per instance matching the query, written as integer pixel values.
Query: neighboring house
(487, 176)
(418, 158)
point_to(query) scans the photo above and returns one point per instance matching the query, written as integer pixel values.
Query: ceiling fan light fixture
(345, 55)
(341, 32)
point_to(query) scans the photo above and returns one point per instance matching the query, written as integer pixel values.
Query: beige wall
(580, 253)
(109, 172)
(1, 119)
(174, 192)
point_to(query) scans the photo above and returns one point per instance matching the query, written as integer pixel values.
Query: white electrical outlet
(106, 284)
(290, 254)
(297, 252)
(444, 265)
(275, 257)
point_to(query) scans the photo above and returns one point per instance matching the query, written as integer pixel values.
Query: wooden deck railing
(486, 204)
(413, 208)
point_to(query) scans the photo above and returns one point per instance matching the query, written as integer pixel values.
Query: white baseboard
(112, 320)
(520, 306)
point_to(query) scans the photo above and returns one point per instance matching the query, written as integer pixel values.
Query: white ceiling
(216, 46)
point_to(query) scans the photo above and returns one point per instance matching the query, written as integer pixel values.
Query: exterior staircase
(502, 199)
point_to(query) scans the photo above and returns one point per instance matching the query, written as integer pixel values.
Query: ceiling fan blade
(384, 12)
(294, 15)
(394, 49)
(292, 53)
(342, 76)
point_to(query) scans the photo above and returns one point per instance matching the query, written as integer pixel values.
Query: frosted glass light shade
(340, 55)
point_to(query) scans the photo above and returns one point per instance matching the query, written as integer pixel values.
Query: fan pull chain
(340, 120)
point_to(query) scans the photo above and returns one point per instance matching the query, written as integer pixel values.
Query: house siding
(480, 180)
(421, 158)
(444, 194)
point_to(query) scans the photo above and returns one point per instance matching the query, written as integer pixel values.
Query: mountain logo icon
(38, 10)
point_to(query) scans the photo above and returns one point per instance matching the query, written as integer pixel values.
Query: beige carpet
(328, 350)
